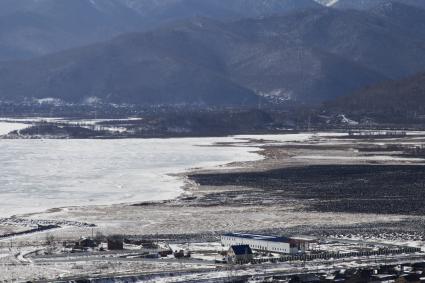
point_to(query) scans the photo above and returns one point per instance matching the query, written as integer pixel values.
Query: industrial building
(274, 244)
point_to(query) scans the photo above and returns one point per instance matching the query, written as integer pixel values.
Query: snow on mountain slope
(328, 3)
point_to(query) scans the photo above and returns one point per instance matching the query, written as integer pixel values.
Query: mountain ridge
(308, 56)
(33, 28)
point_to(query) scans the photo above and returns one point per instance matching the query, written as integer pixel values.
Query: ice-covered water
(39, 174)
(6, 127)
(36, 175)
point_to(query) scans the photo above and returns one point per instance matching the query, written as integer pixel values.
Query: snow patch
(348, 121)
(92, 100)
(328, 3)
(49, 101)
(278, 95)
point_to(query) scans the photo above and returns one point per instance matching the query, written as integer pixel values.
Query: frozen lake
(36, 175)
(40, 174)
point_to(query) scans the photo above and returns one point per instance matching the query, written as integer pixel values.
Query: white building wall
(259, 245)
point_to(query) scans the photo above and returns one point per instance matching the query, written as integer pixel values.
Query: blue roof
(241, 249)
(259, 237)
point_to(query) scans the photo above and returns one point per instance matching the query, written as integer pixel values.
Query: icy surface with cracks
(37, 175)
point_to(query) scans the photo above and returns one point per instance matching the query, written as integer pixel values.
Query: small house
(115, 243)
(85, 243)
(239, 254)
(165, 253)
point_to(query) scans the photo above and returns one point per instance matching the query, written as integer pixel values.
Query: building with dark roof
(239, 254)
(85, 243)
(274, 244)
(115, 242)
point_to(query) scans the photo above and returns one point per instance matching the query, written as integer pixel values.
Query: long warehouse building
(273, 244)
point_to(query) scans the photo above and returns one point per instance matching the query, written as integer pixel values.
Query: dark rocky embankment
(389, 189)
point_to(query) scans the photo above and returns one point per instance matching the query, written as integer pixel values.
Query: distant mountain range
(306, 53)
(31, 28)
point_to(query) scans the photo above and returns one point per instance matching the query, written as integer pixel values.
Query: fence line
(310, 257)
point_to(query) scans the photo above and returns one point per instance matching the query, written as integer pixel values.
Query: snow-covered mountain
(310, 56)
(215, 51)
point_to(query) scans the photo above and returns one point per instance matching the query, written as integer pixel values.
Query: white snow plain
(6, 127)
(37, 175)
